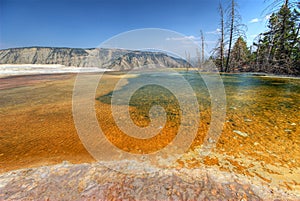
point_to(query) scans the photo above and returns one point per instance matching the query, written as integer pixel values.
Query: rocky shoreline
(97, 181)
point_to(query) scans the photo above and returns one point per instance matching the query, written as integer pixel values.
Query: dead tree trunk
(222, 38)
(202, 47)
(230, 36)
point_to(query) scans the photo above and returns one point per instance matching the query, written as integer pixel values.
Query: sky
(88, 23)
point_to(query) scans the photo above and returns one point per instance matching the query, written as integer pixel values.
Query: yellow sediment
(37, 128)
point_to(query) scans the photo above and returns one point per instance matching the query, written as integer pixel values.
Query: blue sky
(87, 23)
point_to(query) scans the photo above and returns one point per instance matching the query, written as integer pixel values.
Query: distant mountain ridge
(116, 59)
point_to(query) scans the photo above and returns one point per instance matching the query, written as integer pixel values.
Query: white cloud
(217, 31)
(210, 41)
(267, 17)
(255, 20)
(183, 38)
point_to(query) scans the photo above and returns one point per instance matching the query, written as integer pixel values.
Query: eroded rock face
(99, 181)
(146, 59)
(117, 59)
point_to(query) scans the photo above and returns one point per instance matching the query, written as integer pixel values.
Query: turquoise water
(270, 92)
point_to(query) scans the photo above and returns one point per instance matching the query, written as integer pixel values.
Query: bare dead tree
(188, 59)
(202, 47)
(219, 50)
(256, 43)
(235, 29)
(198, 59)
(230, 35)
(222, 37)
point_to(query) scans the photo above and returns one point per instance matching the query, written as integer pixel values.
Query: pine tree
(279, 47)
(240, 55)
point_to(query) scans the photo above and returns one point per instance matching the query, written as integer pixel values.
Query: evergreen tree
(240, 55)
(279, 47)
